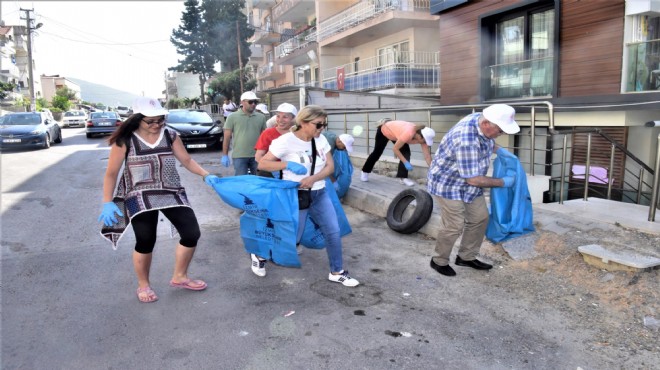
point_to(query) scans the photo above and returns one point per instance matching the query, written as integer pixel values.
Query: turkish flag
(340, 78)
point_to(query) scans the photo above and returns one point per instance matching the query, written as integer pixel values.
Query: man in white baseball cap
(456, 179)
(243, 126)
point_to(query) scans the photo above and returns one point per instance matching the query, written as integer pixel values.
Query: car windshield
(22, 119)
(189, 116)
(103, 115)
(74, 114)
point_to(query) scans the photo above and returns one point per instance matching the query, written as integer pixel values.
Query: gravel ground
(611, 305)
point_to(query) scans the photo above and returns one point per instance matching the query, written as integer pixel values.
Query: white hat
(249, 95)
(148, 107)
(348, 141)
(287, 108)
(428, 135)
(262, 108)
(502, 115)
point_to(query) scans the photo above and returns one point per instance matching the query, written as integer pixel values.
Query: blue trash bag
(270, 222)
(511, 212)
(343, 171)
(312, 236)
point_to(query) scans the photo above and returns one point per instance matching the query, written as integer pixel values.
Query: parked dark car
(196, 128)
(102, 122)
(29, 129)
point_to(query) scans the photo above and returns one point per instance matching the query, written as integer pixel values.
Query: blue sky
(121, 44)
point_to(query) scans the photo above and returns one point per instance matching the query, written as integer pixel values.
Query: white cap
(348, 141)
(428, 135)
(503, 116)
(262, 108)
(249, 95)
(148, 107)
(287, 108)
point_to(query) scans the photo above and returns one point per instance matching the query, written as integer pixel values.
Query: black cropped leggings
(145, 226)
(379, 147)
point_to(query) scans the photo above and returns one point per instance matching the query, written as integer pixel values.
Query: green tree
(228, 84)
(6, 88)
(61, 102)
(221, 18)
(41, 104)
(69, 94)
(191, 41)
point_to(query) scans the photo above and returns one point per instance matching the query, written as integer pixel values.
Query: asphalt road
(68, 299)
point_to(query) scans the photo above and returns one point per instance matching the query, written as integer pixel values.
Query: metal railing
(299, 41)
(404, 69)
(365, 10)
(540, 148)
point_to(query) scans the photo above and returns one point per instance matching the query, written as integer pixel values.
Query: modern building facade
(14, 62)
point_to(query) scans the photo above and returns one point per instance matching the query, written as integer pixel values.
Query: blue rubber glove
(225, 160)
(276, 174)
(211, 179)
(296, 168)
(408, 166)
(108, 213)
(508, 181)
(501, 152)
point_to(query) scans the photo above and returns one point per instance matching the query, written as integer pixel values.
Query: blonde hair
(308, 114)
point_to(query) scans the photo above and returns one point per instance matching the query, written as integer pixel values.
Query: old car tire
(59, 137)
(419, 216)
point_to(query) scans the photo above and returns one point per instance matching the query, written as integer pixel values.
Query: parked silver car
(105, 122)
(74, 118)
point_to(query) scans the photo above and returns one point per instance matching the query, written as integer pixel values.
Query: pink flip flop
(199, 284)
(151, 295)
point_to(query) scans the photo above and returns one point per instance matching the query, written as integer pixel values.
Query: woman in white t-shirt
(292, 153)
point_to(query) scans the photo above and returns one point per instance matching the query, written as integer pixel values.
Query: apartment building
(50, 84)
(14, 61)
(380, 46)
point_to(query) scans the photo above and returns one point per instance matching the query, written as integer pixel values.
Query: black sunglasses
(319, 125)
(252, 101)
(159, 121)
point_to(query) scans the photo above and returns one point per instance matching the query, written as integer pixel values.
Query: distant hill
(95, 93)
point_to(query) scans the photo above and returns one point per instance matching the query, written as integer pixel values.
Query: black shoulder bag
(305, 195)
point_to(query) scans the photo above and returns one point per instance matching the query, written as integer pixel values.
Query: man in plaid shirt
(456, 178)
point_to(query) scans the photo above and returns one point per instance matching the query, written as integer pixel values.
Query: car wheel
(419, 216)
(89, 136)
(47, 141)
(59, 137)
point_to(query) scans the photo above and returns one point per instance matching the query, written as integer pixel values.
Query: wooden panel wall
(600, 152)
(591, 47)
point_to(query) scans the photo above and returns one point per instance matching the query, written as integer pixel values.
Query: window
(392, 54)
(521, 61)
(643, 71)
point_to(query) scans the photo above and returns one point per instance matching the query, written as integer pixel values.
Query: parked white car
(74, 118)
(124, 111)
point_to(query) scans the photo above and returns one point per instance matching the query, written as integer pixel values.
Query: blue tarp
(343, 171)
(312, 236)
(511, 212)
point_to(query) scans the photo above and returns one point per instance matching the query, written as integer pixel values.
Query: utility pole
(240, 63)
(28, 20)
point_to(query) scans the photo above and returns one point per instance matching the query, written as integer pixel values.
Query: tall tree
(191, 41)
(223, 19)
(229, 84)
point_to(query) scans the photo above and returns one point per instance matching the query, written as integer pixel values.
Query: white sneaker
(344, 279)
(407, 182)
(364, 176)
(258, 266)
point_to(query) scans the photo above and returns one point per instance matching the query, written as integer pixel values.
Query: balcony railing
(269, 72)
(643, 66)
(365, 10)
(299, 41)
(528, 78)
(405, 69)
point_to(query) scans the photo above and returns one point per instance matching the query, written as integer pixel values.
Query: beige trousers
(457, 217)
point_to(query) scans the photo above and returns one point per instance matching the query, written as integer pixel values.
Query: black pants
(379, 147)
(145, 226)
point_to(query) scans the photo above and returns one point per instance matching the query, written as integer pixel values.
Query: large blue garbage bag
(510, 208)
(270, 222)
(312, 236)
(343, 171)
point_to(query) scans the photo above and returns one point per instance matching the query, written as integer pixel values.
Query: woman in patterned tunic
(150, 184)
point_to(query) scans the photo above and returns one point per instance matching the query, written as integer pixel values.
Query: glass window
(523, 56)
(643, 52)
(391, 54)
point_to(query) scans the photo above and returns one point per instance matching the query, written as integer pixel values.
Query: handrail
(656, 183)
